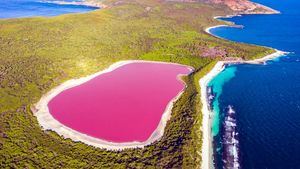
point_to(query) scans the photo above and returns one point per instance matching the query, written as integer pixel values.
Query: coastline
(206, 116)
(207, 113)
(48, 122)
(88, 3)
(208, 30)
(207, 153)
(232, 24)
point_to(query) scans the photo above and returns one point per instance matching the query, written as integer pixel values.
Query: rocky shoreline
(246, 7)
(238, 6)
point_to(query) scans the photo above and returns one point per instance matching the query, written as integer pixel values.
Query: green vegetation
(37, 54)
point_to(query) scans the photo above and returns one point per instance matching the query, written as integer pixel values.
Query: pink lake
(123, 105)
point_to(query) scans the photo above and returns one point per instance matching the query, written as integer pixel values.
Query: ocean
(33, 8)
(257, 107)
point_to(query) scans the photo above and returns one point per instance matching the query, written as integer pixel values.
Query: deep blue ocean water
(32, 8)
(265, 99)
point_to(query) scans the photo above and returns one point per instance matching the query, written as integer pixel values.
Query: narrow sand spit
(48, 122)
(207, 113)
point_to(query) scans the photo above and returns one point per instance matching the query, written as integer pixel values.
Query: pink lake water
(123, 105)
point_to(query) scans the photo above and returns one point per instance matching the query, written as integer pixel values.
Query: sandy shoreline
(206, 116)
(230, 24)
(48, 122)
(208, 30)
(89, 3)
(207, 113)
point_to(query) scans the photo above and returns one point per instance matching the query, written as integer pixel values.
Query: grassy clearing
(37, 54)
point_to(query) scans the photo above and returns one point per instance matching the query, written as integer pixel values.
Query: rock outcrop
(239, 6)
(245, 6)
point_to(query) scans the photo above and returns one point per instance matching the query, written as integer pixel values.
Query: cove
(128, 103)
(260, 103)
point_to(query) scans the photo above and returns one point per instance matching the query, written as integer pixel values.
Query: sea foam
(230, 141)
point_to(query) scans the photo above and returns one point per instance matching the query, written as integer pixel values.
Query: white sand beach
(207, 30)
(206, 123)
(219, 67)
(90, 3)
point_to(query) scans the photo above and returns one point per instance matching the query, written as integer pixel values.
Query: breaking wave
(230, 156)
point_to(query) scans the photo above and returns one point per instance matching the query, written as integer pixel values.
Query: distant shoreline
(89, 3)
(48, 122)
(207, 148)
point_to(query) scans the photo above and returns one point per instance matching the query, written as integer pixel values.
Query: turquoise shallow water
(265, 99)
(217, 87)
